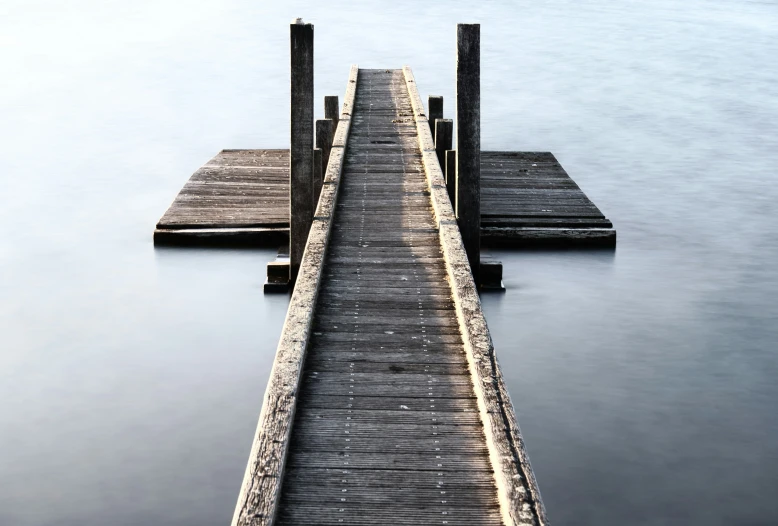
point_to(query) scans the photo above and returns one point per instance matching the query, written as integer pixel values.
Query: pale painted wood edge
(261, 489)
(519, 497)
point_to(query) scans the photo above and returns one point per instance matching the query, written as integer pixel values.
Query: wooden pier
(386, 404)
(241, 198)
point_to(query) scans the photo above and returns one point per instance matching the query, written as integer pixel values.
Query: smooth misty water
(645, 379)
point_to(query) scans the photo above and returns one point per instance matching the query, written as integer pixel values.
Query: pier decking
(241, 197)
(386, 393)
(386, 404)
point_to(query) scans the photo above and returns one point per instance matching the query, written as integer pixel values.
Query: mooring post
(451, 175)
(318, 176)
(444, 129)
(468, 183)
(301, 143)
(434, 110)
(332, 110)
(325, 132)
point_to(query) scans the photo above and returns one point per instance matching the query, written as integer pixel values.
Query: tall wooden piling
(468, 171)
(332, 110)
(444, 129)
(451, 175)
(301, 143)
(434, 110)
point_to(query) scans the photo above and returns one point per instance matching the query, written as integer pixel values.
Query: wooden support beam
(444, 129)
(301, 141)
(434, 110)
(451, 175)
(318, 175)
(468, 184)
(332, 110)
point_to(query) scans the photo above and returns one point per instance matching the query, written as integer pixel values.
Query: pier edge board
(521, 502)
(258, 499)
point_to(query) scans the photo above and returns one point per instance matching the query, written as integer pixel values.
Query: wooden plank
(239, 190)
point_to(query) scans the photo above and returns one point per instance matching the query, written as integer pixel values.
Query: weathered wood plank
(520, 191)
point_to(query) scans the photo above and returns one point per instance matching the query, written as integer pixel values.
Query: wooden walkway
(381, 348)
(241, 197)
(386, 417)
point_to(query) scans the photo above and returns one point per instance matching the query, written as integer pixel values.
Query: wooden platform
(386, 404)
(528, 200)
(241, 198)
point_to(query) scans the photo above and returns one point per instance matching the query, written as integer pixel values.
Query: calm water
(645, 379)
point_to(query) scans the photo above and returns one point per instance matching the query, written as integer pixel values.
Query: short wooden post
(451, 175)
(434, 110)
(325, 132)
(468, 184)
(444, 129)
(332, 110)
(318, 176)
(301, 143)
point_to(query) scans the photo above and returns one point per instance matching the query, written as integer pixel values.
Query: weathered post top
(444, 129)
(434, 111)
(301, 188)
(468, 147)
(332, 110)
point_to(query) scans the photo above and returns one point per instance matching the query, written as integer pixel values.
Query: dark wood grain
(301, 175)
(241, 198)
(468, 159)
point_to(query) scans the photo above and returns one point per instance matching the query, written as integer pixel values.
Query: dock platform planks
(241, 198)
(238, 198)
(529, 200)
(383, 405)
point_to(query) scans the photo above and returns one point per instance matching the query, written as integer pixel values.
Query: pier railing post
(468, 157)
(301, 144)
(434, 111)
(444, 129)
(324, 135)
(450, 171)
(332, 110)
